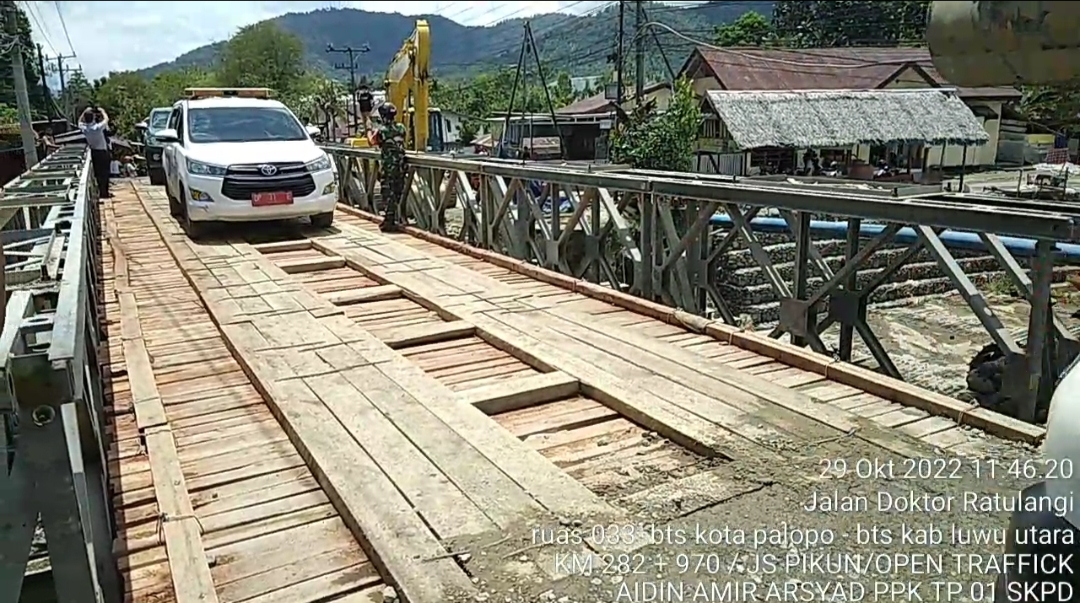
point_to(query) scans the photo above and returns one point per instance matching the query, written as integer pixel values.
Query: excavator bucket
(977, 44)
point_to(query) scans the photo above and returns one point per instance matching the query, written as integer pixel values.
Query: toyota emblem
(267, 169)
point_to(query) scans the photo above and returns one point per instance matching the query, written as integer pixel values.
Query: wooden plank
(862, 379)
(149, 411)
(521, 393)
(394, 447)
(702, 424)
(183, 562)
(399, 541)
(705, 375)
(479, 477)
(394, 536)
(627, 396)
(283, 246)
(310, 264)
(192, 582)
(367, 294)
(541, 479)
(432, 332)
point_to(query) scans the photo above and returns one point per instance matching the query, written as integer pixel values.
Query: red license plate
(263, 199)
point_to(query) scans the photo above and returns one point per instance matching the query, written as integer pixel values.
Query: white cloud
(113, 36)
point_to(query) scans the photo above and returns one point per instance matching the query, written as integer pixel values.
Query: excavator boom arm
(408, 85)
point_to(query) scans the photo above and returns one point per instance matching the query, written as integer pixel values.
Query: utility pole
(69, 111)
(620, 54)
(639, 50)
(22, 99)
(45, 93)
(353, 54)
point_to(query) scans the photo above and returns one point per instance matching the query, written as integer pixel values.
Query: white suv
(239, 159)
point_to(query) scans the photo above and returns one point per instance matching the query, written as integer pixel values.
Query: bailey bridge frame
(661, 224)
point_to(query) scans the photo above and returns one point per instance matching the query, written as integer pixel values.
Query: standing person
(93, 123)
(390, 138)
(366, 101)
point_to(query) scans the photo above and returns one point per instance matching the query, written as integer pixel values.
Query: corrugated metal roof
(822, 68)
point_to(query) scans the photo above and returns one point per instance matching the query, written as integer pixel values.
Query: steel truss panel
(51, 400)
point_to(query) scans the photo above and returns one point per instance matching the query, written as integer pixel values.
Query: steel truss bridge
(258, 417)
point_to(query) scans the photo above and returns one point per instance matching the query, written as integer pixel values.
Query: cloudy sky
(112, 36)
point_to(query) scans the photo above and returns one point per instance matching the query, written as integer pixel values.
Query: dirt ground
(932, 339)
(895, 533)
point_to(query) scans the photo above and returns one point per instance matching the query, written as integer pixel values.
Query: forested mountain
(575, 44)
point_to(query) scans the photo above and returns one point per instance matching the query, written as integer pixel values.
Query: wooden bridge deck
(294, 420)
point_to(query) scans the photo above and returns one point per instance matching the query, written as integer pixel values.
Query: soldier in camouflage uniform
(390, 138)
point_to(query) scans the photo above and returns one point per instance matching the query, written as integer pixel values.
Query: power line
(31, 13)
(353, 54)
(63, 25)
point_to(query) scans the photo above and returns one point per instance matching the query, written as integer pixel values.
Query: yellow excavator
(975, 44)
(408, 87)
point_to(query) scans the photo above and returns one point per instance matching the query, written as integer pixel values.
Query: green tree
(78, 93)
(168, 87)
(8, 114)
(665, 140)
(127, 97)
(831, 23)
(263, 55)
(562, 93)
(319, 100)
(1055, 107)
(751, 29)
(38, 105)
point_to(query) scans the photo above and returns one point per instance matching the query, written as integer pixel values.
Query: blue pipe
(951, 238)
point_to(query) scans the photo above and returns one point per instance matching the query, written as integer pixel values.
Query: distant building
(754, 69)
(585, 125)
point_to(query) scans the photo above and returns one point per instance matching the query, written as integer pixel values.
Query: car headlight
(320, 164)
(204, 169)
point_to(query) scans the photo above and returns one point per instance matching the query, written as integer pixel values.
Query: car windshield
(243, 124)
(158, 120)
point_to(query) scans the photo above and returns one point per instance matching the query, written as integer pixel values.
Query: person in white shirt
(93, 124)
(114, 168)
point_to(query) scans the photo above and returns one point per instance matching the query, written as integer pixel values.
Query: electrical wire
(767, 59)
(63, 25)
(541, 35)
(31, 12)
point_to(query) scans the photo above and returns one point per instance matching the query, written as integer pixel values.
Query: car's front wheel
(323, 220)
(175, 210)
(193, 229)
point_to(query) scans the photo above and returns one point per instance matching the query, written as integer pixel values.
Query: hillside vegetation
(578, 45)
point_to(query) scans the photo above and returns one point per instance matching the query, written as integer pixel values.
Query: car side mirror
(167, 135)
(313, 131)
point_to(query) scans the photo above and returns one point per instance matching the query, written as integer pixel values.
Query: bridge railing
(51, 393)
(663, 236)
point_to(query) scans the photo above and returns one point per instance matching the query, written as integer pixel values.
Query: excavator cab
(980, 44)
